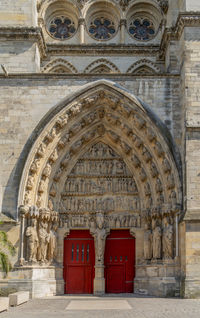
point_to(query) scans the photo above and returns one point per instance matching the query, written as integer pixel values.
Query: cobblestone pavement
(138, 307)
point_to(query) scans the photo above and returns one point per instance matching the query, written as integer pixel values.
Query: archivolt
(59, 66)
(101, 112)
(101, 66)
(144, 63)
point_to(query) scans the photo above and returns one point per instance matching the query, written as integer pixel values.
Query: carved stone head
(165, 221)
(100, 220)
(34, 222)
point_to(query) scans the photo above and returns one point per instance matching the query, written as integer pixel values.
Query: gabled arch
(59, 66)
(142, 66)
(101, 111)
(101, 66)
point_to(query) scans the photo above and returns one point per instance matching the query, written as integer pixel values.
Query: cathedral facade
(100, 146)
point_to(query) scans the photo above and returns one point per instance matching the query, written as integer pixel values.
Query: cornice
(100, 49)
(25, 33)
(83, 76)
(185, 19)
(124, 4)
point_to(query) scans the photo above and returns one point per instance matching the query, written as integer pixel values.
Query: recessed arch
(101, 111)
(147, 15)
(101, 66)
(143, 66)
(59, 66)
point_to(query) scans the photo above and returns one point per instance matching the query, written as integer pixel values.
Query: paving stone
(138, 306)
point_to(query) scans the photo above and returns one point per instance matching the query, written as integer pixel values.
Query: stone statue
(99, 234)
(32, 241)
(167, 239)
(147, 243)
(43, 241)
(52, 243)
(156, 240)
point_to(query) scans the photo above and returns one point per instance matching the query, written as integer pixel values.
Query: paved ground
(131, 306)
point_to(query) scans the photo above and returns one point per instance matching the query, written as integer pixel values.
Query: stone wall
(191, 101)
(18, 13)
(19, 56)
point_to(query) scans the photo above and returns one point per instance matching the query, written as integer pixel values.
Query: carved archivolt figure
(47, 170)
(44, 238)
(30, 182)
(147, 243)
(52, 243)
(156, 240)
(167, 239)
(35, 166)
(32, 241)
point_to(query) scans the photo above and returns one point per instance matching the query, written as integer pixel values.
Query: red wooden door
(79, 263)
(120, 262)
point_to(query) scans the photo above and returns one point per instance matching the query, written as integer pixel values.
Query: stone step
(18, 298)
(4, 303)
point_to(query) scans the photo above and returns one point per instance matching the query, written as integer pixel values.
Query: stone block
(4, 303)
(152, 271)
(19, 298)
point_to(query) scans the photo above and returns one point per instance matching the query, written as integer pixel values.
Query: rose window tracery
(141, 29)
(62, 27)
(102, 28)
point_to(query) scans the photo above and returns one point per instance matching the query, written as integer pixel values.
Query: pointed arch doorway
(101, 162)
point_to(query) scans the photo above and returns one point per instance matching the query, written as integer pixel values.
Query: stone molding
(25, 33)
(112, 68)
(124, 4)
(185, 19)
(143, 62)
(101, 49)
(110, 76)
(59, 63)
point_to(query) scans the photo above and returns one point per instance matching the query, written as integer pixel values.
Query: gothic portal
(101, 177)
(100, 145)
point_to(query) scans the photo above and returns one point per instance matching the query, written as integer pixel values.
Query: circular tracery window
(102, 28)
(141, 29)
(62, 27)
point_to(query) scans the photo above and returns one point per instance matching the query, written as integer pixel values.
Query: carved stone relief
(100, 181)
(159, 232)
(134, 143)
(39, 236)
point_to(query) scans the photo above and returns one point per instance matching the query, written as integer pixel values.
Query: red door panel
(75, 285)
(79, 263)
(115, 278)
(120, 262)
